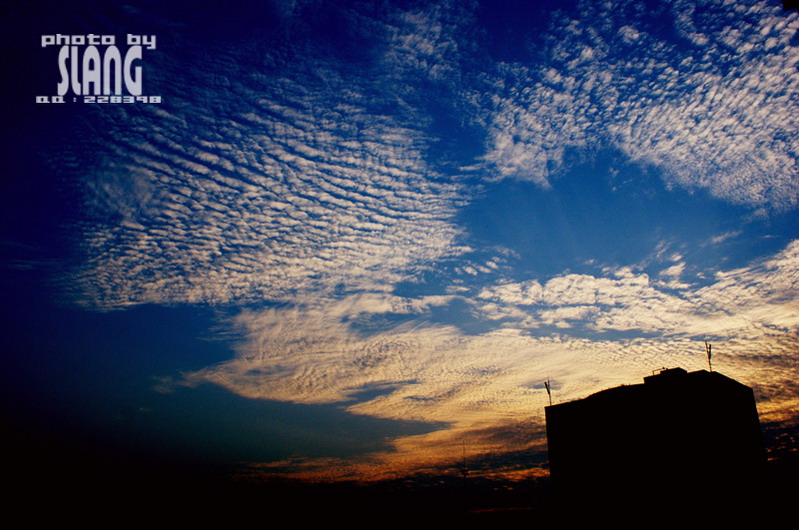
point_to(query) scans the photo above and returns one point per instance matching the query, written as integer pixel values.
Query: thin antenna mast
(549, 391)
(708, 349)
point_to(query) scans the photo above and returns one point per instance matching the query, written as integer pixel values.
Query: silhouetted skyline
(677, 438)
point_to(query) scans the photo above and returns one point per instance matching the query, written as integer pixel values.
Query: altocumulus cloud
(626, 299)
(301, 188)
(713, 108)
(302, 176)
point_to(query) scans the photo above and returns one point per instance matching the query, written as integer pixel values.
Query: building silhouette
(678, 437)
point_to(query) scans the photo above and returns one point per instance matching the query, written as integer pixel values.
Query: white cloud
(302, 188)
(423, 43)
(717, 115)
(479, 383)
(760, 296)
(306, 189)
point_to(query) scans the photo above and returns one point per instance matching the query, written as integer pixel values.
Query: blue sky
(351, 238)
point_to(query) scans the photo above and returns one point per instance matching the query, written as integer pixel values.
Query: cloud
(301, 185)
(304, 181)
(481, 383)
(305, 189)
(425, 42)
(762, 294)
(470, 385)
(713, 110)
(422, 371)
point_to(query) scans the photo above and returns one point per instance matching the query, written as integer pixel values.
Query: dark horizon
(92, 484)
(69, 468)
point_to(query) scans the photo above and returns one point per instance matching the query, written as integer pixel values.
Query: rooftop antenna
(549, 391)
(708, 347)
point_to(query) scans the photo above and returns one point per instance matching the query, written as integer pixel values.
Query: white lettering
(91, 71)
(112, 56)
(134, 85)
(77, 40)
(63, 85)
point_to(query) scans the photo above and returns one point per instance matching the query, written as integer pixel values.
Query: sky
(352, 240)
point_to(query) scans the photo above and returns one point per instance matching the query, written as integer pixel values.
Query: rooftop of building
(666, 379)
